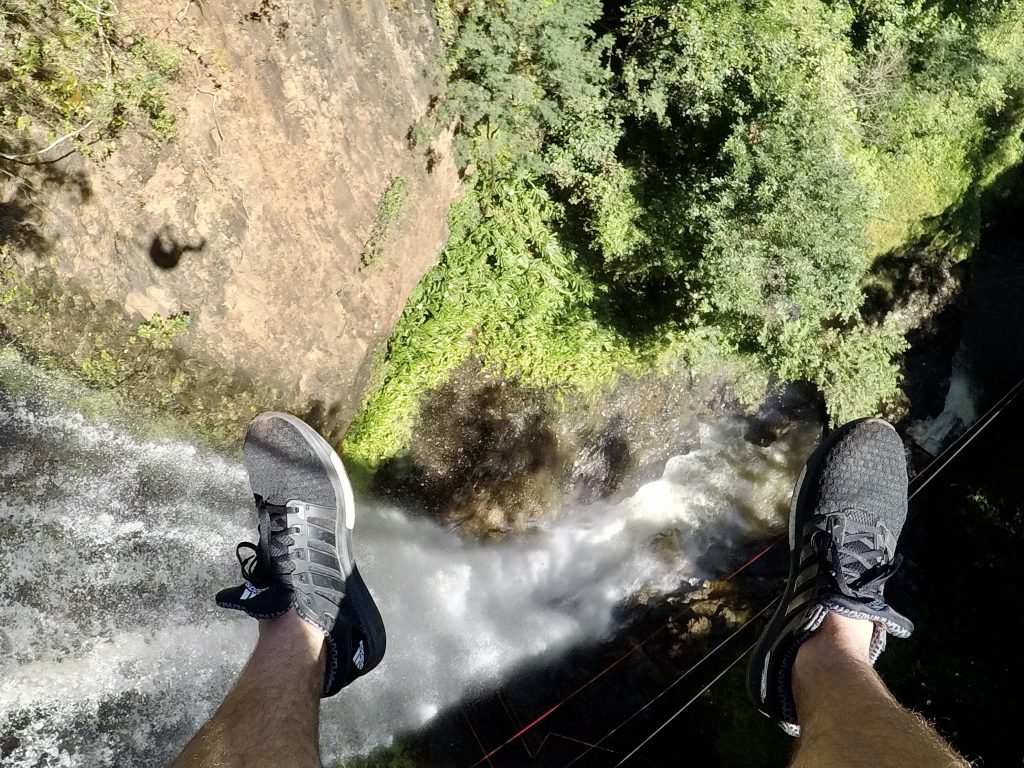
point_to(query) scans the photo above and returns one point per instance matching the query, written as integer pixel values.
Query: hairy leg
(848, 718)
(271, 717)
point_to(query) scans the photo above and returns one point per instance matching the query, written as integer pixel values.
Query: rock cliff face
(292, 121)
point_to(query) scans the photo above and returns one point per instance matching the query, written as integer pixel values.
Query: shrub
(712, 178)
(66, 70)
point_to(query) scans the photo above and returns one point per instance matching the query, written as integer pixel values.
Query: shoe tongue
(271, 520)
(857, 545)
(864, 534)
(859, 516)
(263, 519)
(875, 519)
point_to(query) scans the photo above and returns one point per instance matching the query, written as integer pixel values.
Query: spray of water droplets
(111, 548)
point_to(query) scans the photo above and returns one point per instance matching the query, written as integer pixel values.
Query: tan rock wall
(293, 118)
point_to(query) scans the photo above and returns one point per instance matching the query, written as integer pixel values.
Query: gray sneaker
(304, 556)
(848, 510)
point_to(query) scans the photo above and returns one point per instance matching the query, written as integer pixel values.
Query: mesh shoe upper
(848, 512)
(863, 476)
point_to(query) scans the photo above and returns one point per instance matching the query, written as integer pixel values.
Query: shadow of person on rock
(166, 250)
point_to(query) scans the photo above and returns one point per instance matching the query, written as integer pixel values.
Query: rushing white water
(959, 409)
(111, 549)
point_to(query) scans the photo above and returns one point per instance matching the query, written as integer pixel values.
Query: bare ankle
(291, 629)
(828, 665)
(838, 640)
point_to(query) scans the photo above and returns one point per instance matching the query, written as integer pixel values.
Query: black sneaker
(848, 510)
(304, 555)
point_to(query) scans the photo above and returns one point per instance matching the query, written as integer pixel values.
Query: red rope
(530, 725)
(751, 561)
(603, 672)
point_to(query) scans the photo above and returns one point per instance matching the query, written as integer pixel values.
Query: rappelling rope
(487, 756)
(918, 484)
(682, 709)
(673, 684)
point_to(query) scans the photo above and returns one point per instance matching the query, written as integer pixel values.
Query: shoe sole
(759, 662)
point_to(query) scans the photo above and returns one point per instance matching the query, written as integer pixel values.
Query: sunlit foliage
(711, 179)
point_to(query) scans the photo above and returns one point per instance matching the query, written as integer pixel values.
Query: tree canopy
(710, 179)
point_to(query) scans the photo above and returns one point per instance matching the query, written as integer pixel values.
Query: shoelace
(860, 572)
(261, 562)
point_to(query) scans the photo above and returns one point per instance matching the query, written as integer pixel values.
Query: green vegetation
(389, 208)
(395, 756)
(67, 69)
(712, 180)
(110, 368)
(129, 368)
(492, 296)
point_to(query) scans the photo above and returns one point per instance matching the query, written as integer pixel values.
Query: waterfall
(959, 411)
(112, 546)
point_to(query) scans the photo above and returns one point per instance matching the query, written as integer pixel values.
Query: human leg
(271, 716)
(848, 511)
(847, 716)
(319, 625)
(812, 672)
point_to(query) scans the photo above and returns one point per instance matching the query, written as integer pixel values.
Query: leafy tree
(709, 179)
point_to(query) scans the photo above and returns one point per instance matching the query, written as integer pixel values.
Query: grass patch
(67, 69)
(389, 211)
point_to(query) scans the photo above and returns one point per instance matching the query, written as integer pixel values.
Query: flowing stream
(111, 547)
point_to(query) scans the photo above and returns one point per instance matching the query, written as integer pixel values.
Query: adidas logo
(360, 658)
(250, 591)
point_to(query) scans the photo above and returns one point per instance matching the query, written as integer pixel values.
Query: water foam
(111, 549)
(959, 410)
